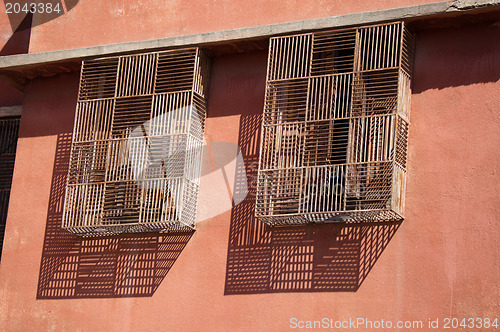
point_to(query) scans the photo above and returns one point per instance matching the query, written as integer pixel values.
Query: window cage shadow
(321, 257)
(335, 126)
(125, 265)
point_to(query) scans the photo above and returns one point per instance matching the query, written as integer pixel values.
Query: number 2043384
(471, 323)
(38, 7)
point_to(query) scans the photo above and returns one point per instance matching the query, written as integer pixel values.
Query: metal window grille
(136, 153)
(335, 126)
(9, 131)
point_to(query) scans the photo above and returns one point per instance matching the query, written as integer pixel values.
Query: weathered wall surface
(442, 261)
(89, 23)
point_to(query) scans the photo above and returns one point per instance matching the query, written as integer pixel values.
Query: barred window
(335, 126)
(136, 153)
(9, 131)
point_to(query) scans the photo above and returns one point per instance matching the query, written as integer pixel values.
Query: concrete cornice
(11, 111)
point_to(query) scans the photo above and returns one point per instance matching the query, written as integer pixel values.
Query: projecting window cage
(9, 131)
(137, 143)
(335, 126)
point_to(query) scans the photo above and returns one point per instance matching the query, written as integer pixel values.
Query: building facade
(234, 272)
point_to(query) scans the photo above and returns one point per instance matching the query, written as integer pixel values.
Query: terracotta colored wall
(10, 96)
(88, 23)
(14, 39)
(442, 261)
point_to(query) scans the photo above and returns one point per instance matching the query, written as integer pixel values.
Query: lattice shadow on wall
(309, 258)
(127, 265)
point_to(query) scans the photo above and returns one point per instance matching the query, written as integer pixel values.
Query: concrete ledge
(16, 62)
(10, 111)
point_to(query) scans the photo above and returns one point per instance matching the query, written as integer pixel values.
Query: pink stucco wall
(442, 261)
(89, 23)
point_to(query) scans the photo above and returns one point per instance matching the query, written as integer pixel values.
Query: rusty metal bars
(136, 153)
(335, 126)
